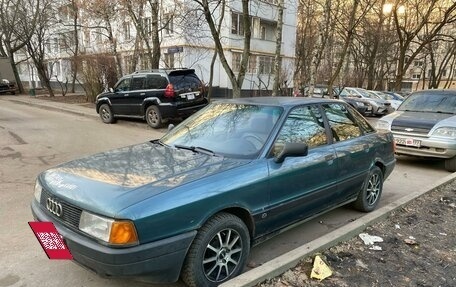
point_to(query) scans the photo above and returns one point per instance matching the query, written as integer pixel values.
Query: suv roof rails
(167, 70)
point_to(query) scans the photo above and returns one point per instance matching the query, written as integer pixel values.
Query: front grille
(70, 213)
(416, 131)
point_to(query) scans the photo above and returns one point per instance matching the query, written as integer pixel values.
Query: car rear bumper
(175, 110)
(425, 147)
(155, 262)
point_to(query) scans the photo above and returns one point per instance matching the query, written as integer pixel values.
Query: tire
(106, 114)
(450, 164)
(370, 193)
(153, 117)
(212, 244)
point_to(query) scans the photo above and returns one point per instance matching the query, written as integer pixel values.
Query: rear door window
(343, 125)
(137, 83)
(156, 81)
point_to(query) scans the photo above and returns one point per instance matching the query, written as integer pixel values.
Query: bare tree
(208, 9)
(277, 68)
(37, 46)
(416, 26)
(18, 19)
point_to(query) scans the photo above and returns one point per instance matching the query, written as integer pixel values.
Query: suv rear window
(180, 81)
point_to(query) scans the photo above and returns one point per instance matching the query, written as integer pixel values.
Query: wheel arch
(101, 102)
(239, 212)
(147, 103)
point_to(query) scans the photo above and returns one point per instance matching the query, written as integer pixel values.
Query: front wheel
(153, 117)
(370, 193)
(106, 114)
(218, 253)
(450, 164)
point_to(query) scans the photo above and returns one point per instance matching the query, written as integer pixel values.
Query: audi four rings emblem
(54, 207)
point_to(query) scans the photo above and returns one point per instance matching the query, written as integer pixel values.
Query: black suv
(155, 95)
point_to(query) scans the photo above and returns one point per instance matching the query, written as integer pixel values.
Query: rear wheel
(370, 194)
(106, 114)
(153, 117)
(218, 253)
(450, 164)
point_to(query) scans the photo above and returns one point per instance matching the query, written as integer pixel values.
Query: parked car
(425, 126)
(394, 101)
(376, 106)
(7, 87)
(192, 203)
(155, 96)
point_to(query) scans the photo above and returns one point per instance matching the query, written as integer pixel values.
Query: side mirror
(292, 149)
(170, 127)
(111, 90)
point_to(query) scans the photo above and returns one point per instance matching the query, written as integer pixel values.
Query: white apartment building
(186, 41)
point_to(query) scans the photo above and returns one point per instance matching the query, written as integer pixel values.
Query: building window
(252, 64)
(444, 73)
(237, 24)
(145, 25)
(418, 63)
(265, 65)
(416, 76)
(145, 62)
(236, 63)
(169, 60)
(130, 64)
(127, 30)
(168, 26)
(97, 36)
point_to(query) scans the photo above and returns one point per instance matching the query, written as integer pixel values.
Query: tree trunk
(16, 72)
(278, 58)
(76, 46)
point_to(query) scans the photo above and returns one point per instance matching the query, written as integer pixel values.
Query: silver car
(376, 106)
(425, 125)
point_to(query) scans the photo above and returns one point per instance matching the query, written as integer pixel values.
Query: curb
(281, 264)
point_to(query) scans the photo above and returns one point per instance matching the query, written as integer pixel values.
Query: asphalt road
(32, 140)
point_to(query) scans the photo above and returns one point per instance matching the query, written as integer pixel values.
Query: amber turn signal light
(123, 232)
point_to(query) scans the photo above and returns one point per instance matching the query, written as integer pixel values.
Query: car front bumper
(424, 147)
(155, 262)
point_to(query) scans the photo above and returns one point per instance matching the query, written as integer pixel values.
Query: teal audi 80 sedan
(190, 205)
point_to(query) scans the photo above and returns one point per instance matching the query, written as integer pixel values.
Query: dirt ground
(418, 249)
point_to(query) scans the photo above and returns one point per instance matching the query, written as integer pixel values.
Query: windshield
(423, 102)
(231, 130)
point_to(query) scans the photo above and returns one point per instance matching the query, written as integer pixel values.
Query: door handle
(126, 95)
(329, 157)
(142, 94)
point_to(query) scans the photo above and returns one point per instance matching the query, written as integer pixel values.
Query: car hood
(108, 182)
(418, 120)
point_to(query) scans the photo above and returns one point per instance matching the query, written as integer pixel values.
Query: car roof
(278, 101)
(437, 92)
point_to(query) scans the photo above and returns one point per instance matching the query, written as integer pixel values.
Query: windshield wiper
(444, 112)
(196, 149)
(159, 142)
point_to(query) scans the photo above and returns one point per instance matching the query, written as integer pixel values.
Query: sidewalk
(77, 109)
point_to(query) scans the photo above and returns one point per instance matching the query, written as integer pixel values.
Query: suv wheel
(153, 117)
(106, 114)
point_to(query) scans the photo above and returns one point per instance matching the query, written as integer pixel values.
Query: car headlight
(383, 125)
(38, 190)
(117, 232)
(447, 132)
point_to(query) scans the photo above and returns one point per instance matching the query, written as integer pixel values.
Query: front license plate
(408, 142)
(190, 96)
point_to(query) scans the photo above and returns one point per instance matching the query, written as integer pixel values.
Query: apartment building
(185, 41)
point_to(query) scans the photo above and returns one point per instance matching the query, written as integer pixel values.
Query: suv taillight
(169, 91)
